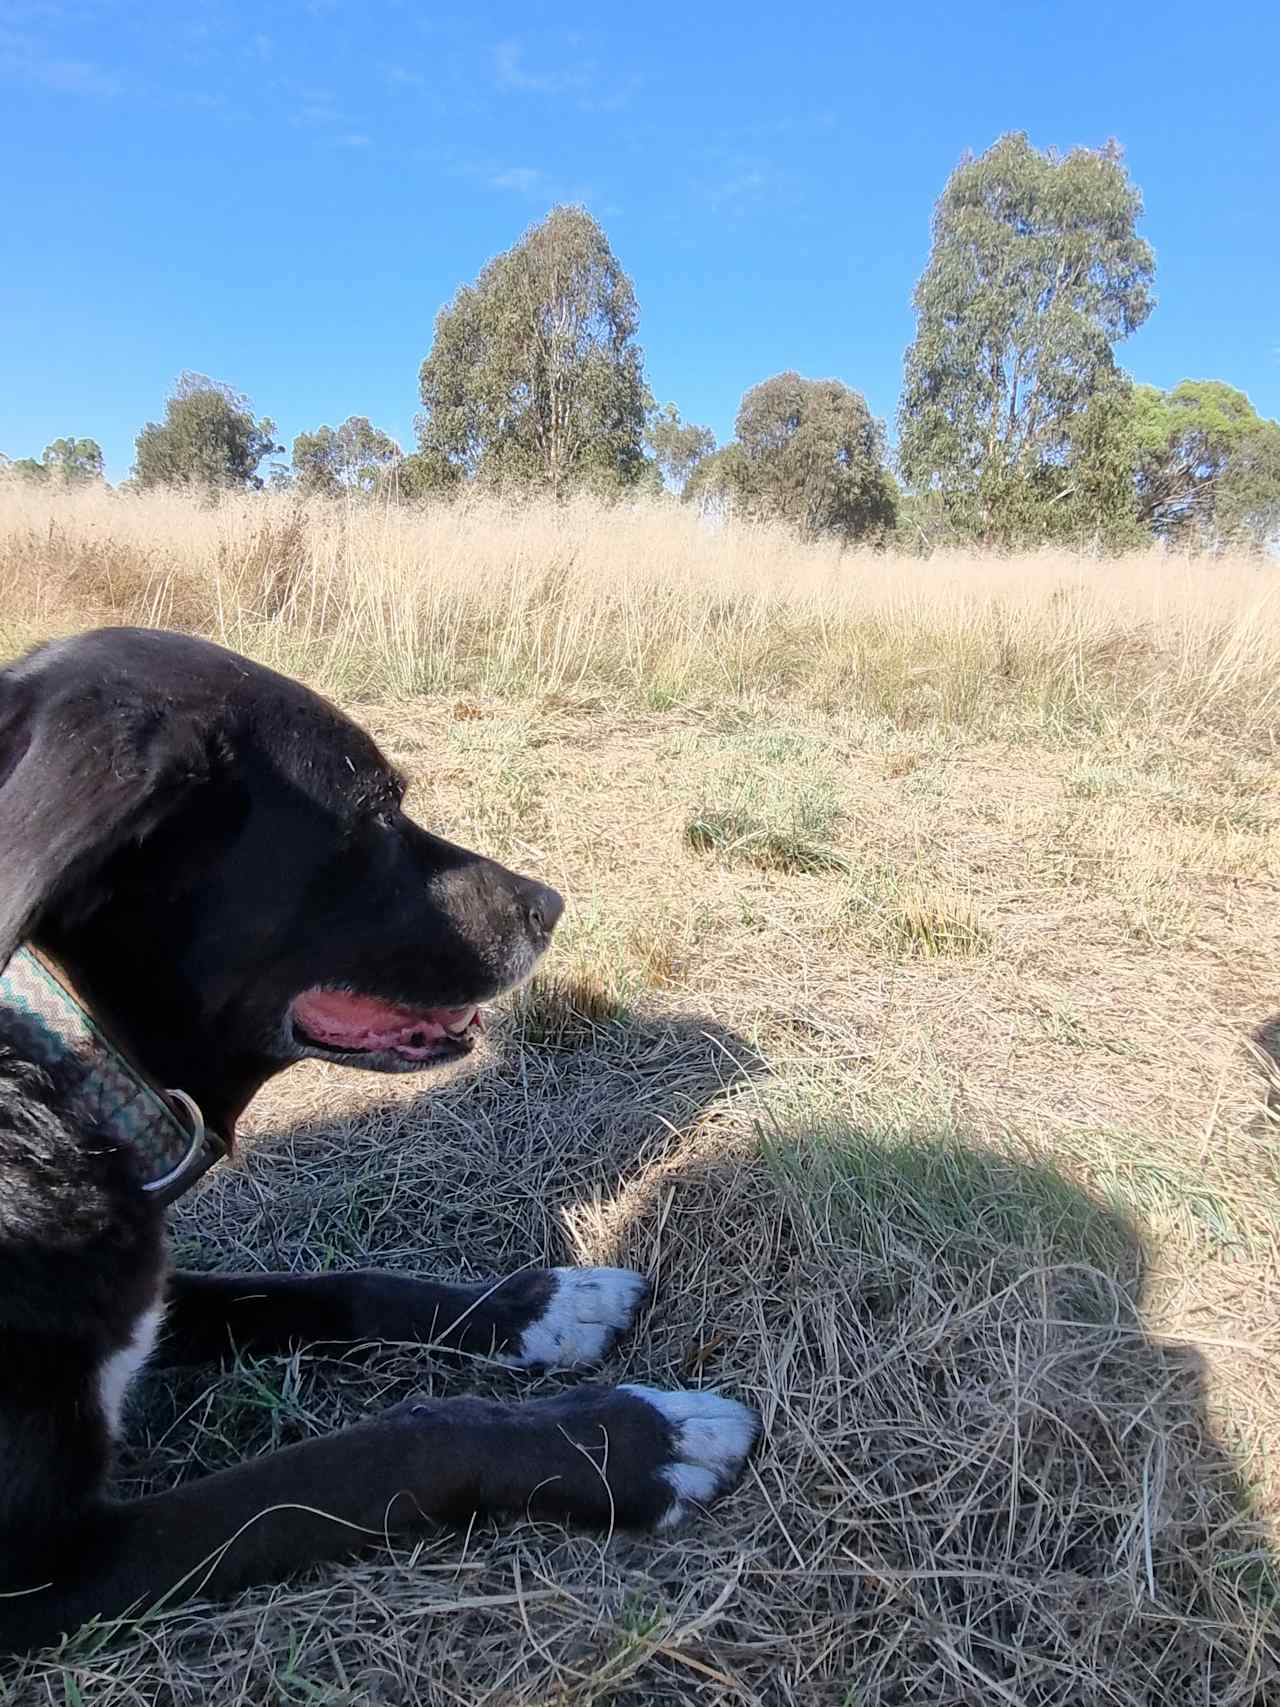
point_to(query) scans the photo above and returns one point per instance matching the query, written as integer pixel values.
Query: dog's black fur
(196, 841)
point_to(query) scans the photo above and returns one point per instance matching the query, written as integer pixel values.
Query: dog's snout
(543, 907)
(502, 917)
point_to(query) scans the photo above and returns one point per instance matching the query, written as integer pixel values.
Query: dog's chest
(117, 1372)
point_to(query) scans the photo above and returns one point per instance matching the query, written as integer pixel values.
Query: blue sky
(283, 195)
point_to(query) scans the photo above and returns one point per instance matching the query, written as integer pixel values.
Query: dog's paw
(631, 1457)
(709, 1439)
(586, 1312)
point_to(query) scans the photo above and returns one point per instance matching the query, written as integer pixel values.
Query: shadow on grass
(982, 1481)
(985, 1480)
(474, 1176)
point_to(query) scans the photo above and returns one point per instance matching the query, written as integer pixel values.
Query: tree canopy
(807, 452)
(208, 438)
(74, 459)
(1010, 393)
(354, 458)
(70, 459)
(1207, 465)
(678, 446)
(535, 375)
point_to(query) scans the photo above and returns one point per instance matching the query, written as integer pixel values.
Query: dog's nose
(543, 906)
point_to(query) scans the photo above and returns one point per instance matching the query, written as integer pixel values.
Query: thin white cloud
(524, 180)
(533, 183)
(204, 99)
(405, 78)
(741, 183)
(24, 58)
(315, 115)
(512, 73)
(578, 76)
(75, 77)
(18, 12)
(354, 139)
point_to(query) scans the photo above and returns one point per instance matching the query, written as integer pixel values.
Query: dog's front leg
(602, 1456)
(556, 1318)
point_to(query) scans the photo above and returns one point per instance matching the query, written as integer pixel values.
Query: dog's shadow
(480, 1175)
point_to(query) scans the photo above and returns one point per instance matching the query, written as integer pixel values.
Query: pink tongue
(363, 1022)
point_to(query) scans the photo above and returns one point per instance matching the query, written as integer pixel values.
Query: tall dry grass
(648, 603)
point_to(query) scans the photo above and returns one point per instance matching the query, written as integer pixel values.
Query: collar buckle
(193, 1163)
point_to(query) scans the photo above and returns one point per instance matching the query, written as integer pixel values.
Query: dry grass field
(909, 1024)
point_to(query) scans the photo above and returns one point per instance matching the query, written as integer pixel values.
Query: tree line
(1016, 423)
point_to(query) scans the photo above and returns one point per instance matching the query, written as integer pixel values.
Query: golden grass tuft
(566, 1012)
(932, 925)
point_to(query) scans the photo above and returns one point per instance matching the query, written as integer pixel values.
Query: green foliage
(678, 446)
(809, 453)
(1097, 502)
(74, 459)
(535, 376)
(71, 460)
(719, 479)
(924, 525)
(1011, 395)
(424, 474)
(649, 482)
(209, 438)
(813, 455)
(1249, 492)
(355, 458)
(1208, 465)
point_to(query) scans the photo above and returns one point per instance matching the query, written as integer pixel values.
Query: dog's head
(222, 862)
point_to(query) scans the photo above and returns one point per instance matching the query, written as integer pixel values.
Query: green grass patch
(962, 1204)
(766, 800)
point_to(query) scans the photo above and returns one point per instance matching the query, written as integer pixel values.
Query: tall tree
(535, 375)
(208, 438)
(356, 457)
(1208, 465)
(678, 446)
(1035, 272)
(807, 452)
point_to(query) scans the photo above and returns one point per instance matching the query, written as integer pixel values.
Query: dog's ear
(85, 770)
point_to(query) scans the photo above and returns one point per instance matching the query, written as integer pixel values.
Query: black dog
(213, 864)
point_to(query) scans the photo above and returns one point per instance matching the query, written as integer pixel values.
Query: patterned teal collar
(165, 1129)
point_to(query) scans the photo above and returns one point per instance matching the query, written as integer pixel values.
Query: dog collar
(164, 1129)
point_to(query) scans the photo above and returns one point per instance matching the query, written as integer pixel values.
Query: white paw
(711, 1437)
(589, 1308)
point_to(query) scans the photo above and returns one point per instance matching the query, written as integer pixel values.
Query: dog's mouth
(341, 1025)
